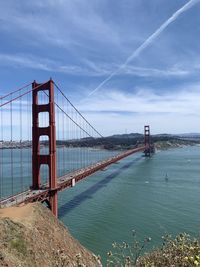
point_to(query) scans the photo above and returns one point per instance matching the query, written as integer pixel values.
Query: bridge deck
(66, 181)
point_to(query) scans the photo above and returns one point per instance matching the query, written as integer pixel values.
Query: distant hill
(125, 141)
(131, 135)
(190, 135)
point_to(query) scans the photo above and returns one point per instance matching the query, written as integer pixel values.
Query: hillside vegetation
(126, 141)
(182, 251)
(30, 236)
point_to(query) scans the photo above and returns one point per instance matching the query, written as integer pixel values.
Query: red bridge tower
(50, 158)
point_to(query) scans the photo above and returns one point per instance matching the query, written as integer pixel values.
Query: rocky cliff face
(31, 236)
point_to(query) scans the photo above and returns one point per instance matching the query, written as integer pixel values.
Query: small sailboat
(166, 177)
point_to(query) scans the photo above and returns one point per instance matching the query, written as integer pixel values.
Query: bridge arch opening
(43, 97)
(43, 119)
(44, 144)
(44, 174)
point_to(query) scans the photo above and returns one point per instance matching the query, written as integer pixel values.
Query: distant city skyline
(123, 64)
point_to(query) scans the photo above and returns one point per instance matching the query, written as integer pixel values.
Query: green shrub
(19, 244)
(126, 254)
(183, 251)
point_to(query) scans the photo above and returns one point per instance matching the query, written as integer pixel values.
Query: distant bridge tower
(50, 158)
(147, 141)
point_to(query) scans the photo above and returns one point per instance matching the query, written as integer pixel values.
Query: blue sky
(80, 43)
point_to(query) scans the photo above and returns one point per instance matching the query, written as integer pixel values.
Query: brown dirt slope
(31, 236)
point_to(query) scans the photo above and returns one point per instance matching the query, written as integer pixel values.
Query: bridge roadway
(66, 181)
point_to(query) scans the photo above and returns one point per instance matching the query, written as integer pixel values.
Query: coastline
(165, 145)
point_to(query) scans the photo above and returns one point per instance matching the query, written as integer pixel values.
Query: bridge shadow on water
(87, 194)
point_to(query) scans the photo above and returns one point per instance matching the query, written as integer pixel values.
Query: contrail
(148, 41)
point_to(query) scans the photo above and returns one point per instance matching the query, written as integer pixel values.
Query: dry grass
(30, 236)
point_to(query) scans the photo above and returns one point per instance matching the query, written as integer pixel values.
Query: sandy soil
(17, 213)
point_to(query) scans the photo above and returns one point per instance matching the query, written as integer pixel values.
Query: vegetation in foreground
(183, 251)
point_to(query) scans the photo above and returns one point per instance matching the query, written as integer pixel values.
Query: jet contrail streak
(148, 41)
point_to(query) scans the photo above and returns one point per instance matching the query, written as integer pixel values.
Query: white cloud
(145, 100)
(112, 123)
(88, 68)
(116, 112)
(173, 112)
(62, 23)
(32, 62)
(22, 61)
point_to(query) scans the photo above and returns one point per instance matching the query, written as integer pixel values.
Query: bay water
(153, 196)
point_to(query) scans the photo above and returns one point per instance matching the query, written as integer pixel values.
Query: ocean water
(134, 195)
(16, 165)
(130, 195)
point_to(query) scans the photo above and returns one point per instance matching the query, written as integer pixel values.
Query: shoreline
(165, 145)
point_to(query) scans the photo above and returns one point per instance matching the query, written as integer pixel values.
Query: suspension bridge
(47, 145)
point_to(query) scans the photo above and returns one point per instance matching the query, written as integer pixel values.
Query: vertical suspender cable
(29, 128)
(43, 171)
(73, 137)
(66, 141)
(80, 145)
(79, 141)
(11, 145)
(46, 123)
(63, 142)
(2, 151)
(75, 130)
(58, 135)
(76, 138)
(1, 157)
(30, 132)
(21, 151)
(28, 160)
(84, 154)
(87, 147)
(46, 100)
(70, 137)
(72, 133)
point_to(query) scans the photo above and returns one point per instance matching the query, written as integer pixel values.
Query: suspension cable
(13, 99)
(13, 92)
(76, 109)
(1, 155)
(21, 150)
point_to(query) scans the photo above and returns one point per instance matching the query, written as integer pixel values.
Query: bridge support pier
(50, 158)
